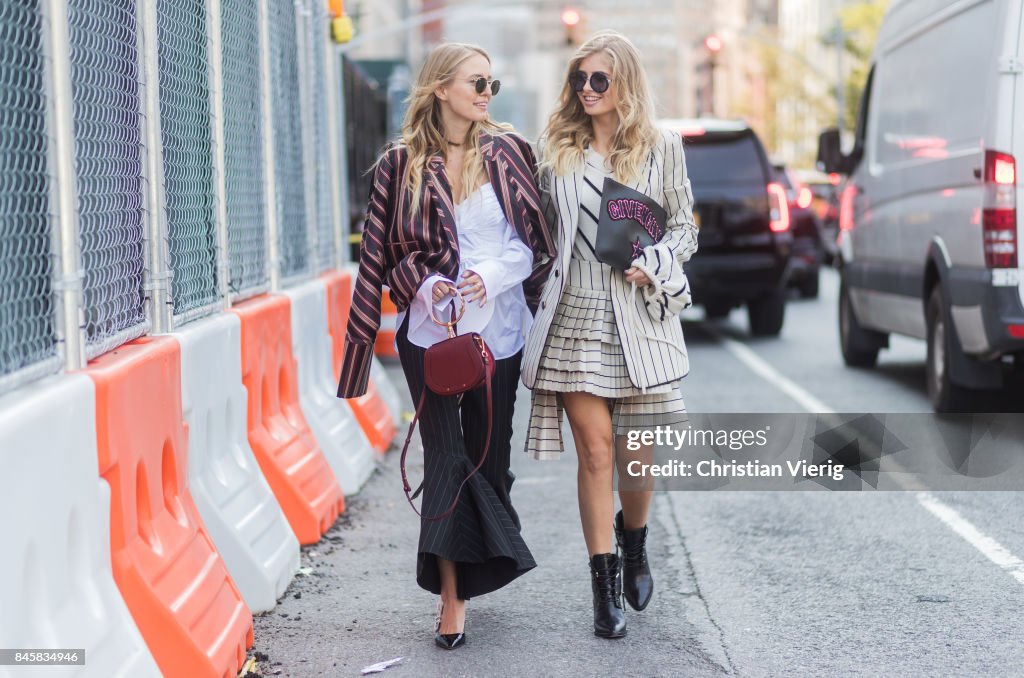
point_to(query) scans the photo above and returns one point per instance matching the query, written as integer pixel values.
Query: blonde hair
(570, 131)
(423, 130)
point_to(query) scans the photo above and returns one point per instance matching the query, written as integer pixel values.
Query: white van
(930, 234)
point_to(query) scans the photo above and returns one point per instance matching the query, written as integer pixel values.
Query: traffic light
(713, 43)
(572, 22)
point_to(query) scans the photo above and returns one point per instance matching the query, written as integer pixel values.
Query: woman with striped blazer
(455, 207)
(607, 346)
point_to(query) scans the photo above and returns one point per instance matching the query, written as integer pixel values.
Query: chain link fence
(286, 105)
(108, 166)
(27, 333)
(325, 243)
(243, 150)
(186, 137)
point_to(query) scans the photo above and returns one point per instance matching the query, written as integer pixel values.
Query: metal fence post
(269, 183)
(335, 123)
(303, 48)
(216, 80)
(158, 273)
(67, 285)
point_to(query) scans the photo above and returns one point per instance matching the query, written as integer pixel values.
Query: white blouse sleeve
(510, 268)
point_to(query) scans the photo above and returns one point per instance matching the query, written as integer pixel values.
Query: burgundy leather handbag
(460, 363)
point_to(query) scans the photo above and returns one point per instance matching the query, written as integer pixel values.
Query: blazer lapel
(496, 164)
(441, 191)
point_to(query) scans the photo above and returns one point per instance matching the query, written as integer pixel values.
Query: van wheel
(766, 314)
(859, 346)
(945, 395)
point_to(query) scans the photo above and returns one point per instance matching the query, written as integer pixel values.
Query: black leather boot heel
(637, 583)
(609, 618)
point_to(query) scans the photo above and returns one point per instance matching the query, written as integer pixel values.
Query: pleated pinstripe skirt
(482, 535)
(583, 353)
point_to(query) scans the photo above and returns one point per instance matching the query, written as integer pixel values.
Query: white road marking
(989, 547)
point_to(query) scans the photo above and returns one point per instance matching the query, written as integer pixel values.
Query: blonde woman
(607, 346)
(454, 206)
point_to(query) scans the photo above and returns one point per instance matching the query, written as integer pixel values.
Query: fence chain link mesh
(186, 136)
(286, 105)
(27, 331)
(243, 149)
(325, 244)
(108, 164)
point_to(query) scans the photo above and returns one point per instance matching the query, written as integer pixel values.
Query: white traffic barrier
(235, 502)
(387, 390)
(343, 442)
(57, 588)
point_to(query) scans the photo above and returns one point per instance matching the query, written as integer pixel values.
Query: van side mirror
(830, 154)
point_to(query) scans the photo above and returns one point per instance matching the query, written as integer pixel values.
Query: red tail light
(778, 203)
(846, 206)
(999, 211)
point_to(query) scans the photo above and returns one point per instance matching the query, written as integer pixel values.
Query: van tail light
(999, 211)
(778, 204)
(846, 206)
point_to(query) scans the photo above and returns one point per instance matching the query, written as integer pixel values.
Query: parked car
(930, 232)
(808, 241)
(745, 241)
(825, 205)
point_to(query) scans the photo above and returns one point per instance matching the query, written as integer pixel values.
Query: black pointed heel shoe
(605, 580)
(447, 641)
(637, 583)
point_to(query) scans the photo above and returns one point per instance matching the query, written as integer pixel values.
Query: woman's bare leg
(591, 424)
(453, 617)
(634, 492)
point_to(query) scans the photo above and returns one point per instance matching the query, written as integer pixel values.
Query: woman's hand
(472, 287)
(635, 275)
(441, 290)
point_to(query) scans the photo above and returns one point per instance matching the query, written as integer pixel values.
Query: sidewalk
(358, 603)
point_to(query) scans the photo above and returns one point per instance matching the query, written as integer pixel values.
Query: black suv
(745, 240)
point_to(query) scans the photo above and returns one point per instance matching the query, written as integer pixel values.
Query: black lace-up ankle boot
(609, 618)
(637, 583)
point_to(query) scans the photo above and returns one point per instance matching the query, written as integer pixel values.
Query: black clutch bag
(629, 221)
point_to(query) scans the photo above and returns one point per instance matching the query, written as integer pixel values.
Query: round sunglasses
(480, 84)
(599, 81)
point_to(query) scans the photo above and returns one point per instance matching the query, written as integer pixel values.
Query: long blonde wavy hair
(569, 130)
(423, 129)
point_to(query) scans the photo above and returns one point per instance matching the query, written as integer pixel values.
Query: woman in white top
(455, 206)
(606, 347)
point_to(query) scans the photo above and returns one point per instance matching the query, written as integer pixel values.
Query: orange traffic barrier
(384, 346)
(287, 452)
(170, 575)
(370, 409)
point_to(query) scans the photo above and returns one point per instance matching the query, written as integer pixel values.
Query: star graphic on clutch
(637, 249)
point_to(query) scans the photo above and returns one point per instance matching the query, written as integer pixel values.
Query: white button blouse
(490, 247)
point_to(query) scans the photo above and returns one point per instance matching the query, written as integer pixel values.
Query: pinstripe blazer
(652, 341)
(402, 252)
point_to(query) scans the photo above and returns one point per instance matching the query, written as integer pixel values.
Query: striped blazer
(647, 321)
(402, 252)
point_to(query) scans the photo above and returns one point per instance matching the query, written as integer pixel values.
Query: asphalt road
(747, 583)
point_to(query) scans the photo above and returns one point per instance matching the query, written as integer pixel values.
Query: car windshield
(721, 159)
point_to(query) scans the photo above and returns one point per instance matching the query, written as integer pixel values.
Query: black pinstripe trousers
(481, 536)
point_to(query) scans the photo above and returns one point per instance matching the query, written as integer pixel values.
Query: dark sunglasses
(480, 84)
(598, 81)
